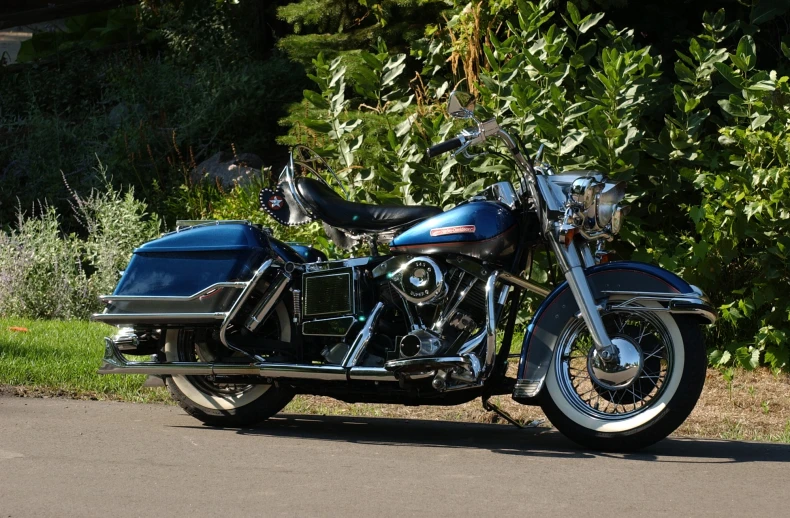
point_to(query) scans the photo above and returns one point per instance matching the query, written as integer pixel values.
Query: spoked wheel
(228, 400)
(639, 401)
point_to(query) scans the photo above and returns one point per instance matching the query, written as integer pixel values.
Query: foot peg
(423, 364)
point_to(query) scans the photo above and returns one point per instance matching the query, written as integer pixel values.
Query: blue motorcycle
(238, 322)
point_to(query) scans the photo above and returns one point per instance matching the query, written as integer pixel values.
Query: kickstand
(489, 406)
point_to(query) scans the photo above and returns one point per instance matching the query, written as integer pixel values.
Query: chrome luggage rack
(181, 317)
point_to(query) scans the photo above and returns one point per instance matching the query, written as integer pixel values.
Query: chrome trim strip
(527, 388)
(338, 263)
(173, 298)
(157, 318)
(680, 306)
(313, 372)
(346, 317)
(183, 224)
(371, 374)
(696, 303)
(655, 295)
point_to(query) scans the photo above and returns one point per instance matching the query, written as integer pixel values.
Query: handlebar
(444, 147)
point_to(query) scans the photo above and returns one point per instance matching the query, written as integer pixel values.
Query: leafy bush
(706, 158)
(186, 84)
(45, 273)
(729, 136)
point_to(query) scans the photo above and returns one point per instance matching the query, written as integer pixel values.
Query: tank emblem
(462, 229)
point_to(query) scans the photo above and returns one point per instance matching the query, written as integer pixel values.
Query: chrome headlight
(607, 201)
(584, 190)
(595, 204)
(618, 216)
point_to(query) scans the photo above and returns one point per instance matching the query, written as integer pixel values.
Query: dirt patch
(754, 406)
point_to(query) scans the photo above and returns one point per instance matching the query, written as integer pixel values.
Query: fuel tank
(485, 230)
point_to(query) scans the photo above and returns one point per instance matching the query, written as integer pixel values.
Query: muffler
(420, 343)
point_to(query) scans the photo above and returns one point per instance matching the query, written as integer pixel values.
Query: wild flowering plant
(45, 273)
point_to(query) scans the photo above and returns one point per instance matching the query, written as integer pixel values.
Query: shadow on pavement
(508, 440)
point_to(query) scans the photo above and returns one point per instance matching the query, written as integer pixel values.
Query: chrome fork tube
(571, 265)
(587, 256)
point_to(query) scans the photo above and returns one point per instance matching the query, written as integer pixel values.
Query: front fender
(560, 306)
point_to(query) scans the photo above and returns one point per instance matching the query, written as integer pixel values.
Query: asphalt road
(88, 458)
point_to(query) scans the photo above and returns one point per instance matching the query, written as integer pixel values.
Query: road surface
(88, 458)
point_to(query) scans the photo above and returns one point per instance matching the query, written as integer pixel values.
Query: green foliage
(91, 31)
(714, 144)
(47, 274)
(741, 167)
(698, 129)
(336, 28)
(145, 118)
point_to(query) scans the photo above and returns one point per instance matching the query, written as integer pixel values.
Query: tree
(335, 27)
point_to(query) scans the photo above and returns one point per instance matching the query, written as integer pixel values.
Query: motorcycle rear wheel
(652, 406)
(228, 402)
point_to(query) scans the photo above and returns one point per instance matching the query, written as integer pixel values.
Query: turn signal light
(569, 235)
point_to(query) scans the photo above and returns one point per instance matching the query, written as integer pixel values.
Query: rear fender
(559, 307)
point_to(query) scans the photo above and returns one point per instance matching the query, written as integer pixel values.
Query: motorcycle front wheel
(228, 401)
(643, 405)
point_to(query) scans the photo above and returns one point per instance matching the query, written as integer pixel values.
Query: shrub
(706, 158)
(45, 273)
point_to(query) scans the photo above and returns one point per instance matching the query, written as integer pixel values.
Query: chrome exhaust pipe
(115, 363)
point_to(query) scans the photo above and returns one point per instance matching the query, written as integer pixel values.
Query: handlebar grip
(444, 147)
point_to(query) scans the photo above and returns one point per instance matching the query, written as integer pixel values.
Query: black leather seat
(358, 217)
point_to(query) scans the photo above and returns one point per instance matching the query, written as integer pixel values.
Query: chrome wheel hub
(621, 370)
(626, 385)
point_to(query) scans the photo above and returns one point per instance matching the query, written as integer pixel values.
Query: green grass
(62, 357)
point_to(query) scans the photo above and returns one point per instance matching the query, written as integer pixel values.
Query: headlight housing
(595, 205)
(606, 202)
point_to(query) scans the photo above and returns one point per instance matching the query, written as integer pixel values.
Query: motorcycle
(238, 322)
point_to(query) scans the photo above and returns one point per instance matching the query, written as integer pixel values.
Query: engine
(447, 306)
(420, 280)
(430, 308)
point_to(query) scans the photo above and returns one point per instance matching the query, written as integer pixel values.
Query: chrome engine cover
(419, 280)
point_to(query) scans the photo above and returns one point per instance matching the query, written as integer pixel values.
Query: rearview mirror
(461, 105)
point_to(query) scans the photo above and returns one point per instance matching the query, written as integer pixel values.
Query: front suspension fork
(570, 261)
